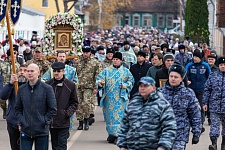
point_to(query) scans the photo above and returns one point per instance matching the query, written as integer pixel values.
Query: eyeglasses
(57, 70)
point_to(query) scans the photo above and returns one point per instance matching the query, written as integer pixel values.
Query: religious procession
(155, 91)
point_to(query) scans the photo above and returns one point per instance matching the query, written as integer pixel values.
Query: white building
(30, 20)
(216, 34)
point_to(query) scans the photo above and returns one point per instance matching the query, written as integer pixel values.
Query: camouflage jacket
(106, 63)
(42, 64)
(214, 92)
(149, 125)
(6, 70)
(87, 71)
(186, 109)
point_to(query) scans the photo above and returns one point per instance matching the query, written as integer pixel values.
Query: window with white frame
(169, 21)
(147, 20)
(160, 21)
(127, 20)
(44, 3)
(136, 20)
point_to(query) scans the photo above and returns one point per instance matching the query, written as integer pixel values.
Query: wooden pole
(11, 49)
(181, 18)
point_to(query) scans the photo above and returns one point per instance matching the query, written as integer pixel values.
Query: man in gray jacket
(148, 122)
(35, 107)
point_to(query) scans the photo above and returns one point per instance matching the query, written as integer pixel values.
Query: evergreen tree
(196, 20)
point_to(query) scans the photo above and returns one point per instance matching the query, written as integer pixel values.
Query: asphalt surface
(95, 137)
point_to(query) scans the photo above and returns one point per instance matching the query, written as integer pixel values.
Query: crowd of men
(152, 89)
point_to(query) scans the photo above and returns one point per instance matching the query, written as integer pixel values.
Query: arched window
(44, 3)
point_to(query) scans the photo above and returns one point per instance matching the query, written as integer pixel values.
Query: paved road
(95, 137)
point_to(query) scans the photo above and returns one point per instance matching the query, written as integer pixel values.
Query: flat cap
(58, 65)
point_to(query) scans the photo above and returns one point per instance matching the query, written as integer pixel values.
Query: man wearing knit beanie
(198, 72)
(162, 74)
(197, 53)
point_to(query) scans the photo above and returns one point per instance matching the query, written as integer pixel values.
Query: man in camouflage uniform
(185, 107)
(6, 71)
(38, 59)
(87, 70)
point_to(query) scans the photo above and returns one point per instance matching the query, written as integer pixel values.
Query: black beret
(86, 48)
(142, 53)
(179, 69)
(109, 50)
(58, 65)
(118, 55)
(221, 60)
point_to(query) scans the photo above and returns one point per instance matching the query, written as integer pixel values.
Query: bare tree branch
(57, 5)
(71, 6)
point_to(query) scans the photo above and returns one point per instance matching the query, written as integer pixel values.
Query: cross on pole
(2, 6)
(15, 6)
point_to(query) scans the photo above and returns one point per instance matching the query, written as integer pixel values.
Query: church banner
(15, 10)
(3, 7)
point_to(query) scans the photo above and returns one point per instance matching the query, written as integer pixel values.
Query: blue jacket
(8, 93)
(35, 107)
(186, 109)
(198, 73)
(214, 92)
(149, 125)
(182, 58)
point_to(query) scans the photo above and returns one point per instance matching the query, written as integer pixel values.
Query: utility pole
(100, 13)
(181, 18)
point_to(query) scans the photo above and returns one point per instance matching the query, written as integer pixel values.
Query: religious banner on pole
(15, 9)
(3, 7)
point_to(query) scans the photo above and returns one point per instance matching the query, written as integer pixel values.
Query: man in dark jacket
(35, 107)
(149, 122)
(162, 74)
(197, 73)
(8, 92)
(139, 70)
(213, 100)
(66, 97)
(211, 61)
